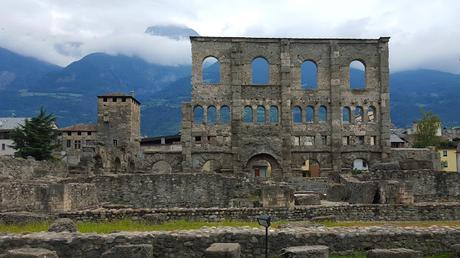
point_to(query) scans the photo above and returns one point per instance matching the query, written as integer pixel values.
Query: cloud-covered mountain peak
(176, 32)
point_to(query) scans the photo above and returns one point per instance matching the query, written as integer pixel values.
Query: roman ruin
(274, 142)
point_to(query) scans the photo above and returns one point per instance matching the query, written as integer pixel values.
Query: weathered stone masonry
(235, 146)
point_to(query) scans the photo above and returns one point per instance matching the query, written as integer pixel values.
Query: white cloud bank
(424, 34)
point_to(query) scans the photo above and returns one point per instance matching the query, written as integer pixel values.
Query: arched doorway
(263, 165)
(161, 167)
(311, 167)
(360, 164)
(211, 166)
(117, 165)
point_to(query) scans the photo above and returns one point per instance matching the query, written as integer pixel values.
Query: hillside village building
(7, 125)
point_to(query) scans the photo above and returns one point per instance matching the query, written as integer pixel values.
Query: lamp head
(264, 220)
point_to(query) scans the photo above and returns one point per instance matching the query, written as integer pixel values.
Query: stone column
(335, 107)
(286, 130)
(237, 107)
(186, 137)
(384, 106)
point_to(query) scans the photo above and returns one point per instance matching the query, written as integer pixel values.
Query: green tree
(427, 127)
(37, 137)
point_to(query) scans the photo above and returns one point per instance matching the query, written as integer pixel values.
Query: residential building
(7, 125)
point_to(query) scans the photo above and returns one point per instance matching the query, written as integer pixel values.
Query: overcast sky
(424, 34)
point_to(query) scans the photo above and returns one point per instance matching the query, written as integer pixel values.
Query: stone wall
(313, 184)
(416, 158)
(427, 185)
(443, 211)
(19, 168)
(193, 243)
(46, 196)
(170, 190)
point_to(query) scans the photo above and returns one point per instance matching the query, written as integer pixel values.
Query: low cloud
(424, 34)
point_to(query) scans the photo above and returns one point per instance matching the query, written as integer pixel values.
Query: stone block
(63, 225)
(390, 166)
(307, 199)
(31, 253)
(129, 251)
(312, 251)
(456, 249)
(337, 193)
(223, 250)
(393, 253)
(155, 218)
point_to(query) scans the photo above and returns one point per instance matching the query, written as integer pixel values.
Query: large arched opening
(263, 165)
(211, 166)
(161, 167)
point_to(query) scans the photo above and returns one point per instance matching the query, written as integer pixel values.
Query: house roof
(395, 138)
(10, 123)
(80, 128)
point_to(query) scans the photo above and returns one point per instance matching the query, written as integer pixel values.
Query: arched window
(260, 71)
(322, 114)
(260, 114)
(211, 115)
(198, 115)
(309, 75)
(357, 75)
(274, 115)
(346, 116)
(247, 116)
(371, 114)
(297, 115)
(358, 114)
(210, 70)
(224, 115)
(310, 114)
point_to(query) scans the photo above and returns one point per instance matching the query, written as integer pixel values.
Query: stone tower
(281, 127)
(118, 131)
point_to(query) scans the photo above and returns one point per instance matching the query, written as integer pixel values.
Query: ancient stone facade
(239, 126)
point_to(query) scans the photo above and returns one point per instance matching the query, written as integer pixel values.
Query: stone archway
(263, 165)
(211, 166)
(360, 164)
(161, 167)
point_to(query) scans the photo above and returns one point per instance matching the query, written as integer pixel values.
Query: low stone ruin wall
(416, 158)
(425, 211)
(19, 168)
(46, 197)
(193, 243)
(170, 190)
(313, 184)
(427, 185)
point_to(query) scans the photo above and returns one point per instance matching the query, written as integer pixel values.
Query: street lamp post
(265, 221)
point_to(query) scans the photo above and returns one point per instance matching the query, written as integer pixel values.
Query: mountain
(70, 92)
(171, 31)
(97, 73)
(432, 90)
(18, 72)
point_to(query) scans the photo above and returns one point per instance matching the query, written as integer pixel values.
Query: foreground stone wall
(193, 243)
(423, 211)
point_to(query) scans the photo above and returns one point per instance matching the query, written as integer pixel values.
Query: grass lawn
(133, 225)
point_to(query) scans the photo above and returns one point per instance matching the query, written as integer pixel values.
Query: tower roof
(118, 94)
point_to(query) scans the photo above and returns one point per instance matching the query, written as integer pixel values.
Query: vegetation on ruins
(37, 137)
(426, 130)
